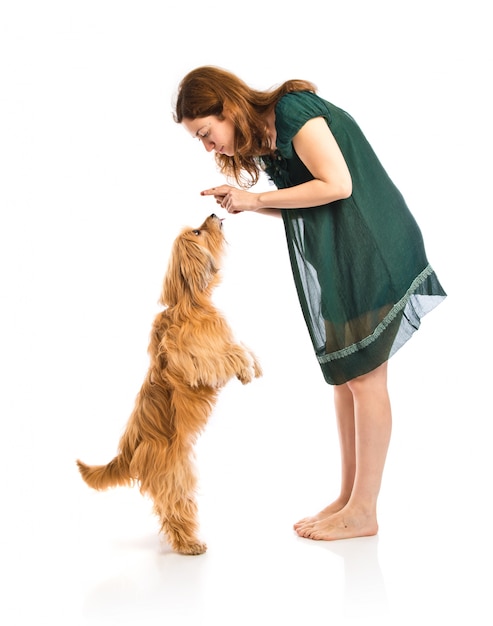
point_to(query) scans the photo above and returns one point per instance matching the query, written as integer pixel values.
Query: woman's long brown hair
(208, 90)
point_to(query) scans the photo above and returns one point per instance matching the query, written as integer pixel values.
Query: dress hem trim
(387, 320)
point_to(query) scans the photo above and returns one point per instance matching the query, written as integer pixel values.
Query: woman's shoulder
(299, 102)
(293, 110)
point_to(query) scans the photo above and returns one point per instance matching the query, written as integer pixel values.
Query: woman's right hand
(232, 199)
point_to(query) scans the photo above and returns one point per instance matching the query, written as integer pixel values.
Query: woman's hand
(318, 150)
(233, 200)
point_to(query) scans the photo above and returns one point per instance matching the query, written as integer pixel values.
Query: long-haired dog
(193, 354)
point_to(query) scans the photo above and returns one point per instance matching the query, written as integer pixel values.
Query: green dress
(359, 264)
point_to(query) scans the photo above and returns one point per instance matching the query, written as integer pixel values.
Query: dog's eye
(196, 232)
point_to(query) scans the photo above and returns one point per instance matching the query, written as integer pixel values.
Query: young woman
(357, 255)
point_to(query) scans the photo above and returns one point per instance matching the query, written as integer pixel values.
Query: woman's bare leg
(344, 407)
(373, 425)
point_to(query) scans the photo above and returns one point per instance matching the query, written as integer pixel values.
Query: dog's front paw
(245, 376)
(251, 369)
(257, 369)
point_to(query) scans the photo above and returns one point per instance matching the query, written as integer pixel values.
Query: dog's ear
(191, 270)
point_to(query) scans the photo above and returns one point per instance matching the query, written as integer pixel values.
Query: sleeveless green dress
(359, 264)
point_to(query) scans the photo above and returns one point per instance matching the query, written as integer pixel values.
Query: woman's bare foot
(345, 524)
(329, 510)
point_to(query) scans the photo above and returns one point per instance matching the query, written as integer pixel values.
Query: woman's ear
(227, 112)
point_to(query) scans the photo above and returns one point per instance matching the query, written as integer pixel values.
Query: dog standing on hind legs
(193, 354)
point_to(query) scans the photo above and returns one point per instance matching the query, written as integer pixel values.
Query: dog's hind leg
(180, 528)
(175, 501)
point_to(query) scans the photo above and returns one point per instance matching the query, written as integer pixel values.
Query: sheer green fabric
(359, 264)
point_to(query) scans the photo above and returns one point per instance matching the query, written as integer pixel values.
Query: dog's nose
(216, 219)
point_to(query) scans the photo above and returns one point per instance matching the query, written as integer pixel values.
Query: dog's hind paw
(192, 548)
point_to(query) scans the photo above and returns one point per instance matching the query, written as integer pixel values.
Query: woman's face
(215, 133)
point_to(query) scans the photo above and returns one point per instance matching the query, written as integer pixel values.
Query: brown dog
(192, 355)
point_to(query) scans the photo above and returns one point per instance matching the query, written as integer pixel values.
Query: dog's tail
(114, 474)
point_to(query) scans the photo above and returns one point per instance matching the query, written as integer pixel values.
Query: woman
(356, 252)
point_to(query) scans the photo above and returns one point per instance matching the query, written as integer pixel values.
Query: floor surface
(78, 557)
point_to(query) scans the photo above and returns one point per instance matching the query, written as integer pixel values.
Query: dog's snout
(217, 220)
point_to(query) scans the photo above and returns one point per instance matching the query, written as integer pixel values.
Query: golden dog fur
(192, 356)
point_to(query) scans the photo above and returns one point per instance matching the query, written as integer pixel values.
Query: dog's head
(194, 263)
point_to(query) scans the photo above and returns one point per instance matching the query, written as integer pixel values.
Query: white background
(96, 180)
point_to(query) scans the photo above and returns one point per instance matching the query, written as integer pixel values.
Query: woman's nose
(208, 145)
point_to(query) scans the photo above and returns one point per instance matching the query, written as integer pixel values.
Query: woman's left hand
(231, 199)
